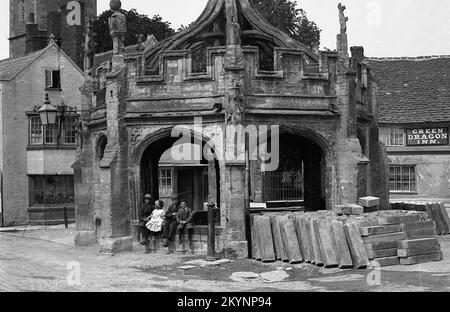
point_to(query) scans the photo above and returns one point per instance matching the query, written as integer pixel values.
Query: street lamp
(48, 113)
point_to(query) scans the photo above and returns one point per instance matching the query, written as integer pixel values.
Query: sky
(383, 27)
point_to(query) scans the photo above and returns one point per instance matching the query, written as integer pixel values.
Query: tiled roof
(412, 89)
(9, 68)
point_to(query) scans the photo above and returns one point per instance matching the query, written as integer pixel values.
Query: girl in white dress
(155, 224)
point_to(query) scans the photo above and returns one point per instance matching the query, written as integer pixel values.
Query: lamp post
(48, 113)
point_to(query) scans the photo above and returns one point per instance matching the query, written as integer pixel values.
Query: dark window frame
(397, 185)
(58, 135)
(39, 186)
(52, 79)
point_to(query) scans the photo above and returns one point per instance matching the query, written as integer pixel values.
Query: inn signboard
(427, 136)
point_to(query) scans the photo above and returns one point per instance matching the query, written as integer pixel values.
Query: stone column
(116, 232)
(237, 212)
(83, 173)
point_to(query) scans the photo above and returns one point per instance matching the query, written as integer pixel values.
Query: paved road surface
(35, 265)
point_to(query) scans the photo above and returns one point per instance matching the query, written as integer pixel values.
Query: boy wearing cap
(144, 217)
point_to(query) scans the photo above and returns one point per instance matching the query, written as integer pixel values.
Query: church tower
(32, 22)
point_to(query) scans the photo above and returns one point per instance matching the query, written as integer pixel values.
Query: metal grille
(285, 185)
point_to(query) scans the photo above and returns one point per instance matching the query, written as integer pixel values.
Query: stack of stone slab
(338, 239)
(370, 203)
(436, 212)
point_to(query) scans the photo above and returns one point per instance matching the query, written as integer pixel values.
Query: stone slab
(421, 233)
(383, 253)
(378, 230)
(265, 242)
(340, 240)
(387, 261)
(398, 219)
(327, 244)
(318, 257)
(418, 226)
(255, 240)
(278, 242)
(356, 209)
(421, 259)
(416, 251)
(306, 222)
(369, 202)
(418, 243)
(381, 245)
(356, 245)
(289, 236)
(392, 237)
(446, 217)
(302, 236)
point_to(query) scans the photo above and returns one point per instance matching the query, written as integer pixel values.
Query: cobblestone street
(43, 260)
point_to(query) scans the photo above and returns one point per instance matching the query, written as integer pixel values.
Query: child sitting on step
(155, 225)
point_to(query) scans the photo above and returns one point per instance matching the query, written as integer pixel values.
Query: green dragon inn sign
(427, 136)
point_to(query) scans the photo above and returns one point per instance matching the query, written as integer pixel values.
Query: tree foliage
(284, 15)
(136, 24)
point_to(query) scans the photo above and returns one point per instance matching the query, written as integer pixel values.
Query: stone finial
(342, 43)
(140, 42)
(115, 5)
(342, 18)
(117, 27)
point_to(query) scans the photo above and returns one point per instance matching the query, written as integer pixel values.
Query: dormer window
(52, 79)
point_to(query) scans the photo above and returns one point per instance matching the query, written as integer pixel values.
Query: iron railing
(287, 185)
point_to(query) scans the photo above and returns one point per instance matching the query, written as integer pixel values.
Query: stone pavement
(45, 260)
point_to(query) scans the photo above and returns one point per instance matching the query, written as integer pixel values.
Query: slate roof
(412, 90)
(9, 68)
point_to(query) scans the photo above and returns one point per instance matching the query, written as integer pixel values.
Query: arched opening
(170, 166)
(362, 141)
(101, 146)
(301, 176)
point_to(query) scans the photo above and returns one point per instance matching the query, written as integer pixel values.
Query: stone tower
(33, 21)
